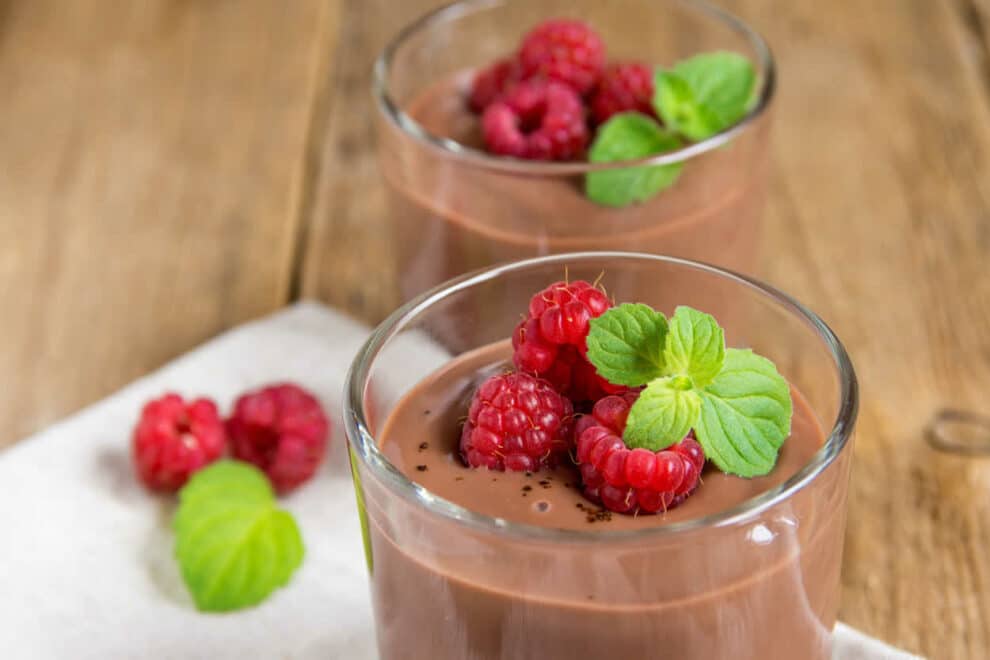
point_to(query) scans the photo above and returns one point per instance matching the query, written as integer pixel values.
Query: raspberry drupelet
(551, 341)
(282, 430)
(632, 480)
(174, 438)
(536, 120)
(567, 51)
(516, 422)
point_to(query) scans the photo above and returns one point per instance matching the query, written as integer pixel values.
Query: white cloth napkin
(86, 568)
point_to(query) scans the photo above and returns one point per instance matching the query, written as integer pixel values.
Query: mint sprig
(233, 544)
(705, 94)
(738, 404)
(696, 98)
(630, 136)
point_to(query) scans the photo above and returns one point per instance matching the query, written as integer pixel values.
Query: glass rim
(359, 437)
(388, 106)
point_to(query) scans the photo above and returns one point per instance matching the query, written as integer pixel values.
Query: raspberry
(632, 480)
(551, 341)
(567, 51)
(516, 422)
(490, 84)
(537, 121)
(281, 429)
(174, 438)
(623, 88)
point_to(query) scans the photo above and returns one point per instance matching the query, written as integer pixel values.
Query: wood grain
(879, 219)
(168, 169)
(152, 157)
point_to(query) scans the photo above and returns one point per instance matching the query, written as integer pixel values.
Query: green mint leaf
(626, 344)
(695, 346)
(662, 415)
(705, 94)
(233, 544)
(630, 136)
(745, 415)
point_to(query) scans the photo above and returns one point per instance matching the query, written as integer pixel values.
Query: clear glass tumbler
(456, 208)
(760, 580)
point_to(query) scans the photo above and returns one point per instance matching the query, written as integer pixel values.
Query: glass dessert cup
(757, 580)
(455, 208)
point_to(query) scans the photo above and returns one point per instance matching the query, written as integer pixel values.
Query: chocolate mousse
(766, 588)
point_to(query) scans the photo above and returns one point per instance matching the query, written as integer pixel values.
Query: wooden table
(170, 169)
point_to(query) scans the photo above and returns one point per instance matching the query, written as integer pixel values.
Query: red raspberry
(632, 480)
(516, 422)
(564, 50)
(538, 121)
(623, 88)
(490, 84)
(551, 341)
(173, 439)
(281, 429)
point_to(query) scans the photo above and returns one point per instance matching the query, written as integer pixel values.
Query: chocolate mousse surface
(421, 439)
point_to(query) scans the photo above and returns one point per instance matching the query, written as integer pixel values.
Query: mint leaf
(630, 136)
(745, 415)
(233, 544)
(662, 415)
(626, 344)
(705, 94)
(695, 347)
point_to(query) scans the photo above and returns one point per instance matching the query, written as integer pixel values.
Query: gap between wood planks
(973, 17)
(325, 72)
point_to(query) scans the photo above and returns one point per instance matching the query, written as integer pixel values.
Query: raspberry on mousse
(564, 50)
(490, 84)
(516, 422)
(626, 87)
(536, 120)
(551, 341)
(632, 480)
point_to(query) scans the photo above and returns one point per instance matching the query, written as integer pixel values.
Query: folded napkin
(86, 568)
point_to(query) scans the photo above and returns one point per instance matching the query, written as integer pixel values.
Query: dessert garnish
(627, 110)
(564, 50)
(628, 480)
(233, 544)
(549, 342)
(737, 404)
(624, 87)
(663, 397)
(516, 422)
(538, 120)
(695, 99)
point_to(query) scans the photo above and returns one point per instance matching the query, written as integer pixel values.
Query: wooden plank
(348, 261)
(879, 219)
(153, 158)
